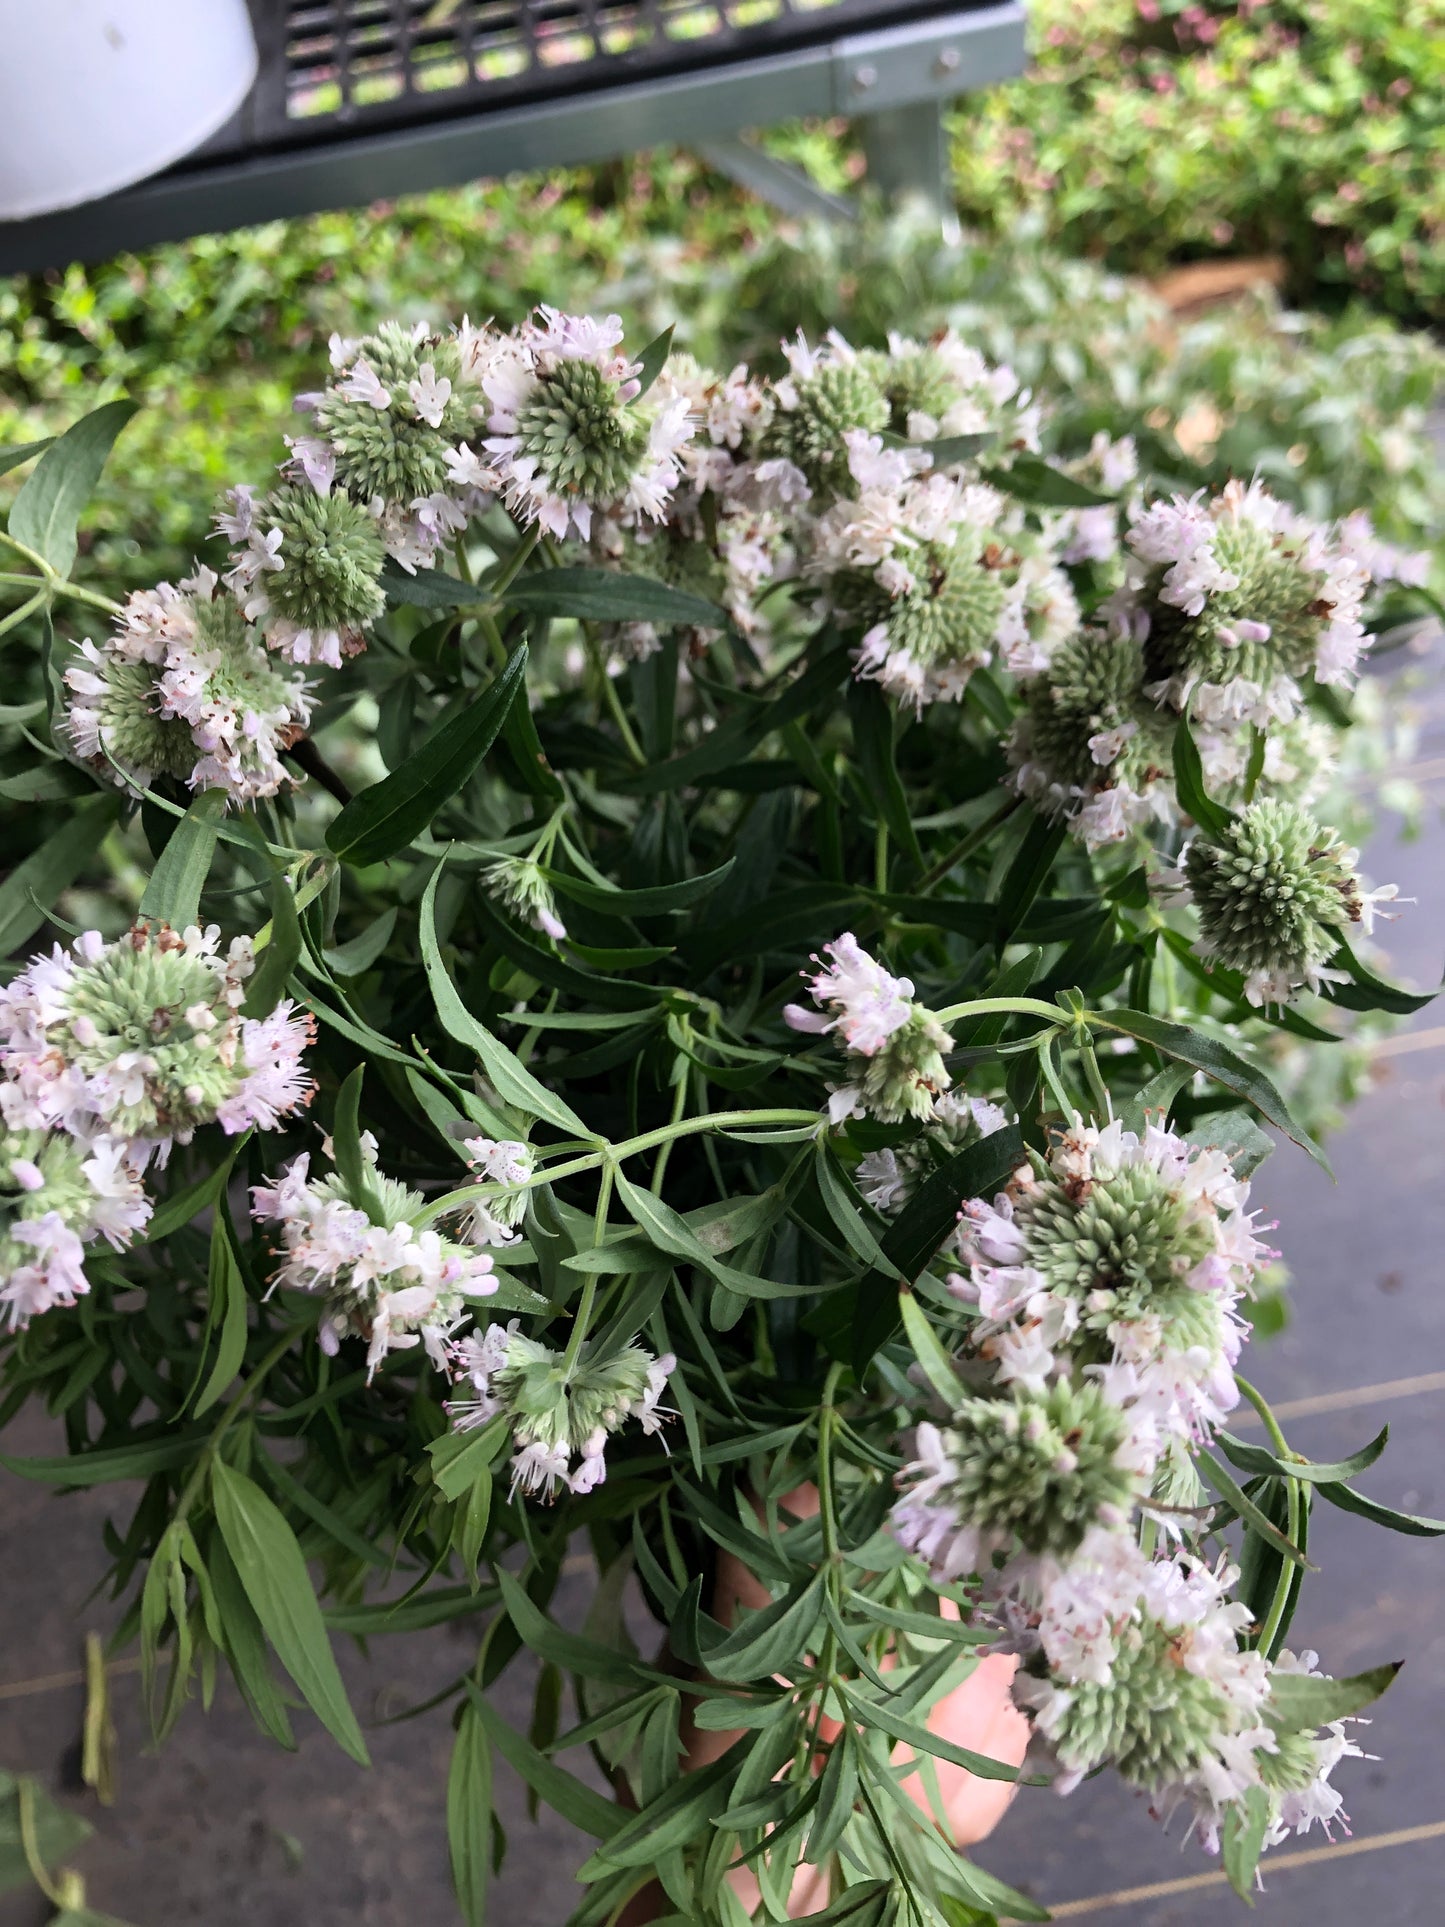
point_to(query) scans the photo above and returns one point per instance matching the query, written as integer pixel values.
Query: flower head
(1237, 600)
(1274, 892)
(185, 688)
(830, 391)
(895, 1046)
(557, 1412)
(58, 1194)
(1029, 1469)
(311, 572)
(144, 1040)
(386, 1278)
(400, 406)
(569, 435)
(1090, 747)
(522, 886)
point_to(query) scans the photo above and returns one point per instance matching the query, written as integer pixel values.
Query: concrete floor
(223, 1829)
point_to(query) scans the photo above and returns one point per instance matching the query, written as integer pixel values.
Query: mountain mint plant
(469, 818)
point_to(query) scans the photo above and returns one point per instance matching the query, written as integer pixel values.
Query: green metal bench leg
(907, 150)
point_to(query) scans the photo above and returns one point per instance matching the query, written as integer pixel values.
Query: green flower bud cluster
(1273, 890)
(331, 558)
(402, 407)
(838, 393)
(950, 612)
(1155, 1720)
(580, 435)
(1041, 1469)
(1123, 1244)
(521, 885)
(902, 1078)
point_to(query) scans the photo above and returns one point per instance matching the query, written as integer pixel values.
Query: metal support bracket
(899, 68)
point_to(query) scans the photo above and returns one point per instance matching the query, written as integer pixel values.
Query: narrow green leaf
(514, 1083)
(872, 715)
(578, 1655)
(652, 361)
(385, 818)
(346, 1152)
(276, 1581)
(877, 1714)
(1245, 1824)
(184, 1205)
(173, 894)
(678, 1814)
(1254, 1459)
(46, 512)
(1366, 991)
(1349, 1500)
(229, 1288)
(1031, 479)
(1194, 799)
(469, 1815)
(1298, 1702)
(246, 1646)
(351, 959)
(1236, 1134)
(1217, 1060)
(845, 1208)
(564, 1793)
(273, 973)
(669, 1231)
(428, 588)
(41, 876)
(1235, 1496)
(611, 595)
(769, 1641)
(17, 453)
(139, 1460)
(653, 902)
(935, 1361)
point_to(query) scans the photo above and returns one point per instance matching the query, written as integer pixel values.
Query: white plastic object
(96, 94)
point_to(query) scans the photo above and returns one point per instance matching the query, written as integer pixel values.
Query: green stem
(966, 845)
(17, 616)
(827, 1418)
(237, 1403)
(614, 706)
(1267, 1417)
(615, 1153)
(1022, 1006)
(578, 1335)
(513, 565)
(679, 1104)
(1097, 1087)
(1284, 1585)
(1294, 1498)
(880, 860)
(30, 1842)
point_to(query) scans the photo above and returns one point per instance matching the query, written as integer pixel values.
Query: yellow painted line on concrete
(16, 1689)
(1345, 1400)
(1406, 1041)
(1274, 1863)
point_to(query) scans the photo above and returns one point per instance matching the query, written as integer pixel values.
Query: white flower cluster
(1237, 599)
(1142, 1668)
(1106, 1281)
(1124, 1260)
(557, 1415)
(385, 1278)
(895, 1046)
(185, 688)
(109, 1055)
(569, 432)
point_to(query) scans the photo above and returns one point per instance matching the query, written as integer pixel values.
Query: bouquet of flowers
(694, 959)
